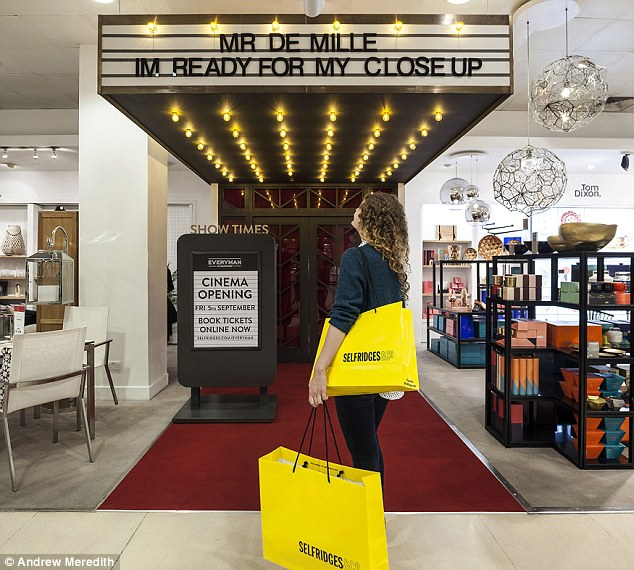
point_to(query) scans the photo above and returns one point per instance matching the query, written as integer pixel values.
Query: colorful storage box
(563, 334)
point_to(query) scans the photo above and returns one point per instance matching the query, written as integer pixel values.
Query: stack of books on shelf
(524, 378)
(428, 256)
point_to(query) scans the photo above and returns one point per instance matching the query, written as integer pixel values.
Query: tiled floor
(231, 540)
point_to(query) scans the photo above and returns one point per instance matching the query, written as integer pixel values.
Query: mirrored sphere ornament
(477, 212)
(471, 192)
(453, 191)
(529, 180)
(568, 94)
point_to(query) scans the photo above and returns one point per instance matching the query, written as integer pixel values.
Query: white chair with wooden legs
(95, 319)
(45, 367)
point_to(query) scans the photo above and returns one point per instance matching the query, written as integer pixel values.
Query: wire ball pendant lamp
(569, 93)
(530, 179)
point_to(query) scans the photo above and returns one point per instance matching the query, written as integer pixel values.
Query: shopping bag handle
(368, 280)
(311, 423)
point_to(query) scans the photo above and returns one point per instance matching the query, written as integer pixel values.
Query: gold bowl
(584, 236)
(557, 244)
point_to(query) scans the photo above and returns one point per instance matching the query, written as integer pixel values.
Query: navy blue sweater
(353, 296)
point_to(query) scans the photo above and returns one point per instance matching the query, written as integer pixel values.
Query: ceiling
(39, 61)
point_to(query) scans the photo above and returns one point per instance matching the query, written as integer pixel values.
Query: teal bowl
(613, 451)
(611, 382)
(611, 424)
(611, 394)
(613, 437)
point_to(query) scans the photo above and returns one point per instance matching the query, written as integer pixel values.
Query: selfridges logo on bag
(328, 557)
(369, 356)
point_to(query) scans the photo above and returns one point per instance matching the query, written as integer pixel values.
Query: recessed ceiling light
(590, 167)
(104, 1)
(457, 1)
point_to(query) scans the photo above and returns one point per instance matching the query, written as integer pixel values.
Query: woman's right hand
(317, 388)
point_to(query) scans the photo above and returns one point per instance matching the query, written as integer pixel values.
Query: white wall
(185, 187)
(45, 187)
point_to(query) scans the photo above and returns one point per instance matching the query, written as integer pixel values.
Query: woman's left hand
(317, 389)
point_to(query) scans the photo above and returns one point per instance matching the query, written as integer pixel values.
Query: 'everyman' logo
(224, 262)
(371, 356)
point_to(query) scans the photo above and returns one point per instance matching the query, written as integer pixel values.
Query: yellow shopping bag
(377, 355)
(309, 522)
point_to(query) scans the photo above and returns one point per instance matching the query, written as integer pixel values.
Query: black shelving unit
(548, 419)
(436, 307)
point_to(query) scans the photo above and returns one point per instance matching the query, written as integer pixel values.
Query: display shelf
(13, 274)
(547, 409)
(434, 329)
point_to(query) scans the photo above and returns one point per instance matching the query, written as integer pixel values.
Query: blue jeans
(359, 418)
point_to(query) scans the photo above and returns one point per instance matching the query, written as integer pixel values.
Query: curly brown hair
(384, 227)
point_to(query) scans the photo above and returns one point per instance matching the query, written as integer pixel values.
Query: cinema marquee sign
(428, 54)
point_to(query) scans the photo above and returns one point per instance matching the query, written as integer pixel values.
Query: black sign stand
(227, 326)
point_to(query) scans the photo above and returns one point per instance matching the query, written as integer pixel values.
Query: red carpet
(215, 466)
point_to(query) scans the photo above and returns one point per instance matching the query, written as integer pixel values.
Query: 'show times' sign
(225, 301)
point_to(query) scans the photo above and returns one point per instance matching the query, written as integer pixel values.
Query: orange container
(566, 389)
(593, 437)
(591, 423)
(562, 335)
(593, 451)
(593, 381)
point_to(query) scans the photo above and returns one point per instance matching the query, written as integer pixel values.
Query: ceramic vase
(12, 242)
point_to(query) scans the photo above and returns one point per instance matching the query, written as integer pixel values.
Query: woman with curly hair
(381, 223)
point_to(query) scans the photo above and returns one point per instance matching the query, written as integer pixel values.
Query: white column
(122, 236)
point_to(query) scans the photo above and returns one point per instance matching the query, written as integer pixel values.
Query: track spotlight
(54, 154)
(35, 154)
(5, 153)
(625, 161)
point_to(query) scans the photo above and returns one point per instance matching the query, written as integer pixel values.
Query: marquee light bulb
(326, 157)
(377, 133)
(385, 116)
(330, 133)
(356, 173)
(175, 116)
(283, 133)
(388, 172)
(360, 166)
(275, 25)
(404, 156)
(322, 179)
(279, 116)
(290, 173)
(382, 178)
(412, 146)
(289, 165)
(398, 26)
(247, 156)
(257, 173)
(333, 116)
(200, 146)
(424, 132)
(226, 116)
(566, 91)
(328, 146)
(217, 165)
(371, 146)
(261, 179)
(235, 133)
(336, 26)
(438, 116)
(366, 157)
(231, 178)
(224, 173)
(188, 133)
(243, 146)
(253, 166)
(324, 165)
(395, 165)
(210, 157)
(214, 27)
(459, 26)
(152, 27)
(285, 146)
(352, 179)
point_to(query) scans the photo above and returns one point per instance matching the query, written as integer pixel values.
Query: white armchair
(95, 319)
(45, 367)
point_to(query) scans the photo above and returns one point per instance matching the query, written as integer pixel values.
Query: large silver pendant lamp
(530, 179)
(569, 93)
